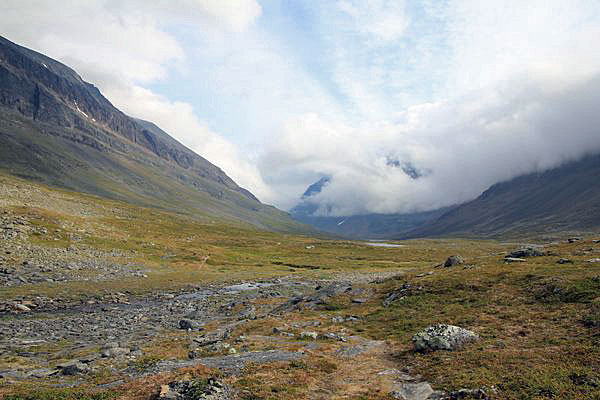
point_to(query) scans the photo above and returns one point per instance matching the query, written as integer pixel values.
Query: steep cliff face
(59, 129)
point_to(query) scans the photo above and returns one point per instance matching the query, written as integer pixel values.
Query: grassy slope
(539, 322)
(142, 179)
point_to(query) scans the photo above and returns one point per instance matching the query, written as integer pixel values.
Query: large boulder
(442, 337)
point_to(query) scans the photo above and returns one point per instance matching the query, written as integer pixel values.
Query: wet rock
(525, 252)
(442, 337)
(453, 260)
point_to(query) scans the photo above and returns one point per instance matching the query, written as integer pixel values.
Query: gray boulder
(453, 260)
(115, 352)
(442, 337)
(415, 391)
(525, 252)
(189, 325)
(74, 368)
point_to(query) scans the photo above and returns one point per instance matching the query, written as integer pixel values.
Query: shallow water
(380, 244)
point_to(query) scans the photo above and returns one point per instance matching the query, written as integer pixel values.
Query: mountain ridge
(59, 129)
(564, 198)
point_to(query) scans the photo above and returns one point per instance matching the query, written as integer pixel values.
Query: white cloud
(466, 145)
(472, 92)
(380, 20)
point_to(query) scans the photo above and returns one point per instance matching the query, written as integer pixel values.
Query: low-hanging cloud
(463, 146)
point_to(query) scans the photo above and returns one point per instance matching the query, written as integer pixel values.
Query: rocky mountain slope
(566, 198)
(60, 130)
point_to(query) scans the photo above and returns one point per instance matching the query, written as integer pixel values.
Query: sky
(280, 93)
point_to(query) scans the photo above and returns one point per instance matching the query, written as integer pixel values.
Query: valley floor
(103, 300)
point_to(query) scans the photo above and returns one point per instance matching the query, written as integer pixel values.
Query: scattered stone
(564, 261)
(189, 325)
(41, 373)
(509, 260)
(573, 239)
(525, 252)
(424, 274)
(89, 358)
(360, 300)
(334, 336)
(453, 260)
(74, 368)
(412, 391)
(21, 307)
(442, 337)
(309, 335)
(210, 389)
(479, 394)
(359, 346)
(594, 260)
(115, 352)
(397, 294)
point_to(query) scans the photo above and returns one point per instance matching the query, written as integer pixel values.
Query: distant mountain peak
(316, 187)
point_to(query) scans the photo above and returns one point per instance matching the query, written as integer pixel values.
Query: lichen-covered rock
(309, 335)
(210, 389)
(442, 337)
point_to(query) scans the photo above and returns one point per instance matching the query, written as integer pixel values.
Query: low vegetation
(538, 321)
